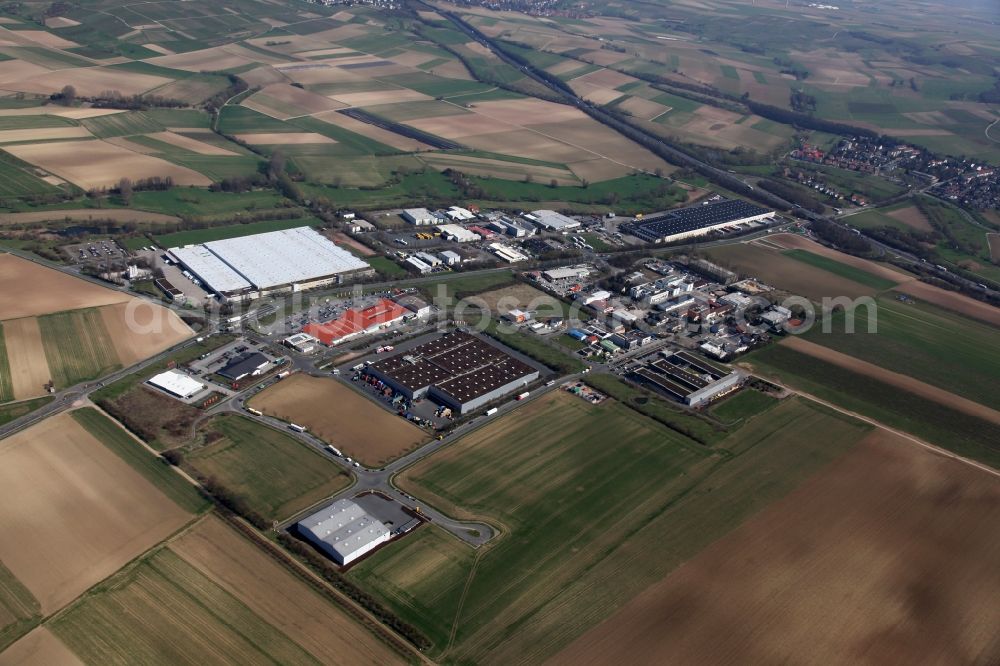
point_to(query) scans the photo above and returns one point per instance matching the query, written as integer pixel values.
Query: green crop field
(193, 202)
(596, 503)
(745, 405)
(77, 346)
(241, 120)
(938, 347)
(274, 473)
(154, 468)
(15, 181)
(33, 122)
(6, 387)
(122, 124)
(927, 419)
(843, 270)
(18, 608)
(233, 231)
(164, 611)
(15, 410)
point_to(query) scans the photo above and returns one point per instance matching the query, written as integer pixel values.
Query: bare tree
(125, 191)
(68, 95)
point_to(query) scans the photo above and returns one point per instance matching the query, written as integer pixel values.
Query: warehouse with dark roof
(696, 220)
(457, 369)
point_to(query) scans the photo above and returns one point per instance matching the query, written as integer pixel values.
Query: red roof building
(356, 322)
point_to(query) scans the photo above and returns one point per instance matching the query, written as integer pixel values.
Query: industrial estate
(499, 333)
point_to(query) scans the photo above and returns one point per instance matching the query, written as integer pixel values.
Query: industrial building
(507, 253)
(301, 342)
(696, 220)
(259, 264)
(420, 216)
(356, 322)
(343, 531)
(414, 304)
(177, 384)
(550, 220)
(249, 364)
(457, 369)
(687, 379)
(457, 234)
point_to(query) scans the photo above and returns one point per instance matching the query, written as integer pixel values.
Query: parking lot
(94, 251)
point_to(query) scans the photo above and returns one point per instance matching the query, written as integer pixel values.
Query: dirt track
(886, 556)
(896, 379)
(116, 214)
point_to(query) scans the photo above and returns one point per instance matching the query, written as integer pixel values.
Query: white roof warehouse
(343, 531)
(251, 266)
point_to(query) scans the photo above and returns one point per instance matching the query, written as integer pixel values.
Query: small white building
(419, 265)
(302, 343)
(419, 216)
(507, 253)
(450, 258)
(550, 220)
(177, 384)
(596, 296)
(460, 214)
(428, 258)
(344, 531)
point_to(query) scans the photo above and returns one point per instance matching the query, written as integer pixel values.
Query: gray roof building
(344, 531)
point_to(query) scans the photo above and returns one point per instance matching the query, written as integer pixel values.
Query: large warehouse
(343, 531)
(696, 220)
(357, 321)
(688, 379)
(177, 384)
(457, 369)
(276, 261)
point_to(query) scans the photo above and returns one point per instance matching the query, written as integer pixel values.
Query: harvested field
(786, 273)
(78, 346)
(101, 164)
(75, 113)
(44, 134)
(214, 59)
(47, 38)
(42, 290)
(279, 598)
(29, 369)
(337, 414)
(187, 143)
(90, 81)
(912, 217)
(524, 297)
(141, 329)
(375, 97)
(60, 22)
(886, 556)
(605, 78)
(901, 381)
(494, 168)
(794, 241)
(73, 511)
(39, 648)
(284, 138)
(643, 108)
(383, 136)
(286, 101)
(596, 94)
(85, 214)
(950, 300)
(527, 111)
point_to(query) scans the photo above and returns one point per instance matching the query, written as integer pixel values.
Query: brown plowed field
(29, 368)
(31, 289)
(39, 648)
(73, 512)
(912, 217)
(278, 597)
(886, 556)
(949, 300)
(794, 241)
(338, 415)
(896, 379)
(141, 329)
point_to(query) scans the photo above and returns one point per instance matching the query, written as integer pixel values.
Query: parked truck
(332, 449)
(296, 427)
(255, 412)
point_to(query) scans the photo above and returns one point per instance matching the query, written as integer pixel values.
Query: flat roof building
(176, 384)
(457, 369)
(457, 234)
(550, 220)
(343, 531)
(248, 364)
(696, 220)
(356, 322)
(302, 343)
(251, 266)
(419, 216)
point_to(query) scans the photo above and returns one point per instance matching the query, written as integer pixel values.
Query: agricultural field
(940, 348)
(836, 537)
(75, 512)
(339, 415)
(232, 231)
(66, 330)
(229, 601)
(547, 476)
(275, 474)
